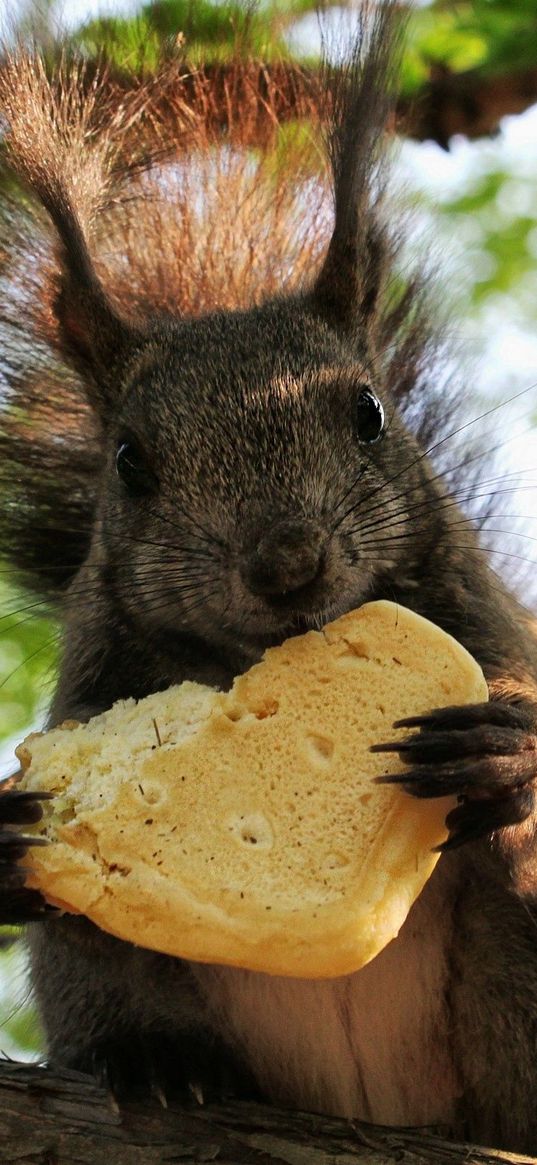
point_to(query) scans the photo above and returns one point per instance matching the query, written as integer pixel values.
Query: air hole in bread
(321, 748)
(152, 794)
(268, 707)
(264, 708)
(251, 829)
(336, 861)
(235, 713)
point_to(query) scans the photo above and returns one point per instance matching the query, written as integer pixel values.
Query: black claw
(390, 779)
(391, 746)
(13, 847)
(466, 832)
(196, 1090)
(435, 747)
(8, 839)
(420, 783)
(20, 905)
(158, 1094)
(483, 754)
(22, 808)
(416, 721)
(492, 774)
(477, 819)
(141, 1064)
(154, 1071)
(495, 712)
(108, 1071)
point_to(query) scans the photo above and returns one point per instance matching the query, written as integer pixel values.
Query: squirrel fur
(218, 411)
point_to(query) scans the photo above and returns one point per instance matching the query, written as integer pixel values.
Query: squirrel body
(189, 487)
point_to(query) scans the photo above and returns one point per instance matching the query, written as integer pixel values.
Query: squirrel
(203, 451)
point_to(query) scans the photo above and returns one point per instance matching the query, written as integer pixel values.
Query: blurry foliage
(492, 208)
(209, 31)
(505, 233)
(494, 36)
(20, 1031)
(28, 655)
(28, 646)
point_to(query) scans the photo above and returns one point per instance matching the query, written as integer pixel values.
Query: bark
(65, 1118)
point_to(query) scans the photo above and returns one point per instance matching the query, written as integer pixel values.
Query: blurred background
(467, 167)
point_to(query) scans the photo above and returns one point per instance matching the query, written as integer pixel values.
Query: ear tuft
(349, 285)
(52, 144)
(96, 340)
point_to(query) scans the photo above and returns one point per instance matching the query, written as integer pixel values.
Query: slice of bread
(245, 827)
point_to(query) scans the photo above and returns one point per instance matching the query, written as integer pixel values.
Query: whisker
(508, 533)
(189, 607)
(466, 547)
(19, 623)
(485, 550)
(20, 610)
(44, 646)
(439, 477)
(428, 508)
(207, 535)
(438, 444)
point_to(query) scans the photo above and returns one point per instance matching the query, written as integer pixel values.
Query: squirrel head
(252, 479)
(250, 468)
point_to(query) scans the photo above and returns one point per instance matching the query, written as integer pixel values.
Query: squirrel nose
(287, 557)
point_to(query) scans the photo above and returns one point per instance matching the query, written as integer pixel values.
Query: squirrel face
(255, 481)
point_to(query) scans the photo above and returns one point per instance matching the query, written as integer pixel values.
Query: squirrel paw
(485, 754)
(18, 904)
(195, 1067)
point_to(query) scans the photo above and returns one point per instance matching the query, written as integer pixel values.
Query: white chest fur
(373, 1045)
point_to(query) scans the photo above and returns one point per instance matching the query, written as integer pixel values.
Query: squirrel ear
(360, 93)
(348, 288)
(93, 336)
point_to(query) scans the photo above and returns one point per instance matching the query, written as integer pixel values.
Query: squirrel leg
(133, 1018)
(485, 755)
(195, 1065)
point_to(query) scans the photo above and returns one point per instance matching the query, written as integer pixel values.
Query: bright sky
(72, 12)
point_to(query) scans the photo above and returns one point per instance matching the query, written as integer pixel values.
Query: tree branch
(466, 103)
(64, 1118)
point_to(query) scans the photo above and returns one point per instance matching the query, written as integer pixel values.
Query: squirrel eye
(368, 417)
(133, 470)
